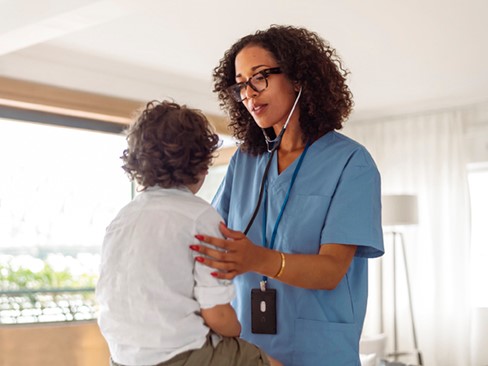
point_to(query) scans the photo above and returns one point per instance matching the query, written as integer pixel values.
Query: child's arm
(222, 319)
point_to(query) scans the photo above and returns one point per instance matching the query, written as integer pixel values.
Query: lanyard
(280, 215)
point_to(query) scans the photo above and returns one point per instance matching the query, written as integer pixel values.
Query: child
(158, 306)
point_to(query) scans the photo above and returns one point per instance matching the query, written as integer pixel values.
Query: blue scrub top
(336, 198)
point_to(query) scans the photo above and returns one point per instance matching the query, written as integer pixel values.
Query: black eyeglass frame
(235, 90)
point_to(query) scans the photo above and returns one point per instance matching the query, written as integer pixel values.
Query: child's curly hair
(304, 57)
(168, 145)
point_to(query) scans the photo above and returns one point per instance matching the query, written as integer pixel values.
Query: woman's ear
(296, 86)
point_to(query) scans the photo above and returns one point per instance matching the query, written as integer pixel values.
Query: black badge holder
(263, 310)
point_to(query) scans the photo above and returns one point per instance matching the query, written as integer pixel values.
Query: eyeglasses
(258, 82)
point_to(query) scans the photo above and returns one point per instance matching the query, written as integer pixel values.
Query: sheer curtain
(425, 154)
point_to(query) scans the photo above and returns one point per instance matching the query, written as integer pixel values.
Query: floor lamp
(399, 210)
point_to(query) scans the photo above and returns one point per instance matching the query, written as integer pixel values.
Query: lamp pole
(400, 210)
(395, 333)
(414, 332)
(396, 354)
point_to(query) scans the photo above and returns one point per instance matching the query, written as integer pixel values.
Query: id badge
(263, 311)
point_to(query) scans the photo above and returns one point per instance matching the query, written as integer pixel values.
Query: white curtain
(425, 155)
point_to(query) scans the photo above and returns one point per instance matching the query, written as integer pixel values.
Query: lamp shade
(399, 210)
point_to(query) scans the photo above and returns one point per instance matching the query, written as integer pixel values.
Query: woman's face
(270, 107)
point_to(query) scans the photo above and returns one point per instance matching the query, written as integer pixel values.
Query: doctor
(301, 202)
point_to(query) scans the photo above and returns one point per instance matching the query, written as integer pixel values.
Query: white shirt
(150, 289)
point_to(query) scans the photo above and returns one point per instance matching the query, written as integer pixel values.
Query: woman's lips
(258, 109)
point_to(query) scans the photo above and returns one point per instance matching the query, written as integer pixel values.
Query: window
(59, 189)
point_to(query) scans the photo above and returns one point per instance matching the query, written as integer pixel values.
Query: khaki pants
(229, 352)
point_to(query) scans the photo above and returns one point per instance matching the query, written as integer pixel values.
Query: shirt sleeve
(354, 215)
(210, 291)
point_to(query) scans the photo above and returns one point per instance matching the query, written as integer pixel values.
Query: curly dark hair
(304, 57)
(168, 145)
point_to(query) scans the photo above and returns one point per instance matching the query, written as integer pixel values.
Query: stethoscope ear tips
(297, 87)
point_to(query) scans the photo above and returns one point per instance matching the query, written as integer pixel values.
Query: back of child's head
(169, 145)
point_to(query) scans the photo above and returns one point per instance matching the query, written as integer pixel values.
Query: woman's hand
(237, 253)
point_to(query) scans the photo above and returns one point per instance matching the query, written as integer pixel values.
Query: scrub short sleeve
(354, 215)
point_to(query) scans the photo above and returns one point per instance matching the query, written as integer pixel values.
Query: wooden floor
(65, 344)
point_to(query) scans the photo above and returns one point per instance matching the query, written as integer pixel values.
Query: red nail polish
(199, 237)
(195, 247)
(199, 259)
(214, 274)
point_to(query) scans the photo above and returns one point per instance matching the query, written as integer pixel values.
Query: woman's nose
(249, 92)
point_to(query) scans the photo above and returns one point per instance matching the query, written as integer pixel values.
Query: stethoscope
(272, 145)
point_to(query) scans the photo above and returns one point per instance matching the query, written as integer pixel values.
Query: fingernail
(195, 247)
(199, 237)
(199, 259)
(214, 274)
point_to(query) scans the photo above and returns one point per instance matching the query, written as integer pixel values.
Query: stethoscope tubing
(261, 191)
(276, 143)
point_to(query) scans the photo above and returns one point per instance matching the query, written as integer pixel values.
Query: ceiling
(403, 55)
